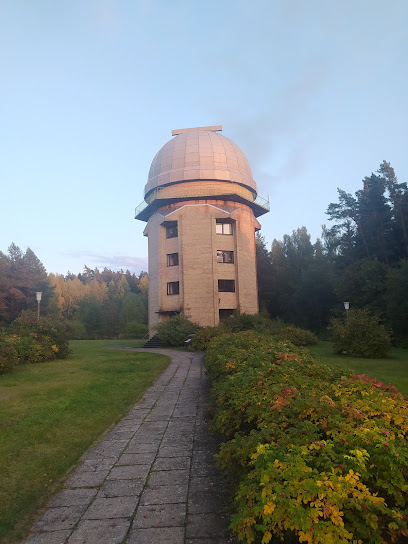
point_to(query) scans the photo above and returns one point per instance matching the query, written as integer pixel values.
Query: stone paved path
(152, 479)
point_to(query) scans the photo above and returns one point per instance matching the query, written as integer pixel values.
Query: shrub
(277, 325)
(175, 331)
(299, 337)
(8, 353)
(204, 336)
(246, 322)
(39, 340)
(359, 334)
(317, 454)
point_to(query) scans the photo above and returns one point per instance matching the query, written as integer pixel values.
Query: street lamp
(346, 305)
(38, 296)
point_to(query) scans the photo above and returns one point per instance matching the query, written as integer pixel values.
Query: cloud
(115, 262)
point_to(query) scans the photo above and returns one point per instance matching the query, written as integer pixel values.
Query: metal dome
(199, 154)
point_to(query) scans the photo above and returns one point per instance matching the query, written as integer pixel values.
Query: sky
(314, 92)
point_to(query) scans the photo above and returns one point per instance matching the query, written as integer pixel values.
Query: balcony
(158, 198)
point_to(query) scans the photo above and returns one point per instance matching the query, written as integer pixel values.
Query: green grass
(393, 369)
(51, 413)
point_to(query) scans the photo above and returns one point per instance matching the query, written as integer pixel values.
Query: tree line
(362, 259)
(96, 304)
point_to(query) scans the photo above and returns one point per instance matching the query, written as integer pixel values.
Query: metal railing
(155, 195)
(263, 203)
(140, 208)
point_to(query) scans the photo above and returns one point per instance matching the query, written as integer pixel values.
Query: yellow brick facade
(198, 271)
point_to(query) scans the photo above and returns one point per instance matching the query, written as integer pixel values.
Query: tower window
(173, 288)
(224, 313)
(223, 228)
(172, 259)
(226, 286)
(225, 256)
(172, 230)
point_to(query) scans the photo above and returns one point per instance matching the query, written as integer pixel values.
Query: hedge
(317, 455)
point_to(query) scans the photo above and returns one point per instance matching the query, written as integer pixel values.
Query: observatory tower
(201, 206)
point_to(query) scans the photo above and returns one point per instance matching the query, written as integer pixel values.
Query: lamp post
(38, 296)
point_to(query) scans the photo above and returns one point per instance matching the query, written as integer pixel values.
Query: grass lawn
(393, 369)
(51, 413)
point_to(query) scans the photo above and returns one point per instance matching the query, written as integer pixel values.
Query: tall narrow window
(225, 256)
(172, 259)
(223, 228)
(226, 286)
(173, 288)
(172, 230)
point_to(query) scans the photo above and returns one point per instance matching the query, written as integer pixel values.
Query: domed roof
(197, 154)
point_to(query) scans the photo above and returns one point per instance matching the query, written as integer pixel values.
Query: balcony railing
(263, 203)
(140, 208)
(155, 195)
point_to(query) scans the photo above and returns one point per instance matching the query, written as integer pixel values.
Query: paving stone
(210, 444)
(199, 470)
(183, 413)
(110, 531)
(174, 440)
(96, 464)
(122, 488)
(204, 496)
(153, 426)
(172, 463)
(211, 540)
(154, 535)
(116, 507)
(128, 425)
(63, 517)
(164, 494)
(129, 472)
(136, 459)
(74, 497)
(138, 447)
(165, 402)
(135, 414)
(163, 515)
(54, 537)
(145, 438)
(175, 451)
(158, 417)
(206, 526)
(168, 477)
(122, 434)
(108, 448)
(87, 479)
(202, 456)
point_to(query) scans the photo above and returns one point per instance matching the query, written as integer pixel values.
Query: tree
(264, 274)
(22, 274)
(397, 301)
(373, 223)
(92, 316)
(364, 284)
(398, 195)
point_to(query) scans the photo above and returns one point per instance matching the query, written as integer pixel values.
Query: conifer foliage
(362, 258)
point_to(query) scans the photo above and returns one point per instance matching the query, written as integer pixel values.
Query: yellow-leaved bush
(317, 455)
